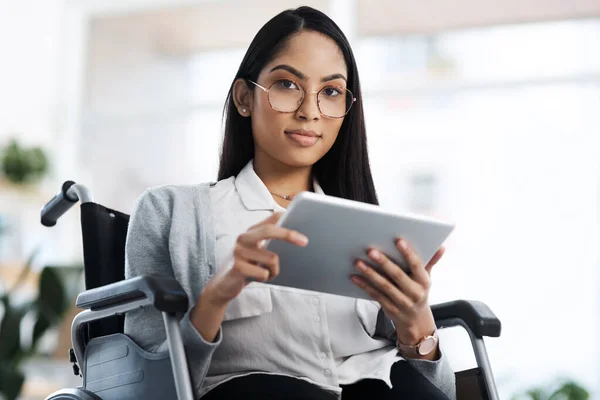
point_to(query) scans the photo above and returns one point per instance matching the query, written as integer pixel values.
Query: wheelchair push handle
(69, 194)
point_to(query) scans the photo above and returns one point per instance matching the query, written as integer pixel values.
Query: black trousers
(407, 383)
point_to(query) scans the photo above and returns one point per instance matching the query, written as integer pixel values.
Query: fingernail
(402, 244)
(300, 239)
(362, 267)
(357, 281)
(375, 255)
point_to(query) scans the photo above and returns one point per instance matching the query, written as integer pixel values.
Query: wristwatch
(425, 346)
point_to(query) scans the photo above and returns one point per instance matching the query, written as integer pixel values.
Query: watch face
(427, 346)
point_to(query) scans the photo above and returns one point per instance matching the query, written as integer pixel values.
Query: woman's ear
(242, 97)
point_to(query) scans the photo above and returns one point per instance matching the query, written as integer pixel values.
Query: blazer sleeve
(147, 252)
(438, 372)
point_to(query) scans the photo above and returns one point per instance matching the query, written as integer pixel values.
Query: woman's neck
(282, 179)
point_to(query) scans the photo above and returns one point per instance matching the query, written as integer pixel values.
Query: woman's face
(311, 61)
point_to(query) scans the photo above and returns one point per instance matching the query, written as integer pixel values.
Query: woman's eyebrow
(301, 76)
(332, 77)
(289, 69)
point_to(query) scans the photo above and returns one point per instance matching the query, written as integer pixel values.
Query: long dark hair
(344, 171)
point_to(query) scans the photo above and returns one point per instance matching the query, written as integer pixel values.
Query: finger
(408, 286)
(253, 237)
(414, 262)
(264, 258)
(387, 304)
(272, 219)
(435, 259)
(247, 271)
(373, 278)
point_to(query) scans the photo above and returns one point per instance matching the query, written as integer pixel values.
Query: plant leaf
(11, 382)
(537, 394)
(10, 330)
(23, 165)
(570, 391)
(42, 324)
(51, 299)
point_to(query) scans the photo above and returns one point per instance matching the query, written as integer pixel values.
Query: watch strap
(414, 351)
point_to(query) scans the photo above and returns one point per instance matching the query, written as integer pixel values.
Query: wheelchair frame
(166, 295)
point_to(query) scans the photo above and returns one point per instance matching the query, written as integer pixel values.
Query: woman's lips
(303, 138)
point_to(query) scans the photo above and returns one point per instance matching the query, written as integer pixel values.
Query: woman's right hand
(251, 262)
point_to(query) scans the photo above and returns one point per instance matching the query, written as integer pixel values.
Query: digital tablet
(341, 231)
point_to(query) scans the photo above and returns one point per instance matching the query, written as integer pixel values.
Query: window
(498, 130)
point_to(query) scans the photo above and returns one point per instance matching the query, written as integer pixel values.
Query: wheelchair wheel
(73, 394)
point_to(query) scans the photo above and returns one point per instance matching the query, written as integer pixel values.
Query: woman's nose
(309, 109)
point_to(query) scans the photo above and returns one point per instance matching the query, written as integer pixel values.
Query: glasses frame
(303, 98)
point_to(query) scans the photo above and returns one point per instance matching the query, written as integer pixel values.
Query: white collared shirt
(327, 340)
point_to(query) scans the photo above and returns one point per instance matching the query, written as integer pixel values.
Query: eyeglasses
(286, 96)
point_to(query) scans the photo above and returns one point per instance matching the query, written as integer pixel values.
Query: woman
(294, 122)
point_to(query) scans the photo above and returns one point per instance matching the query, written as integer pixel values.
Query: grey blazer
(171, 233)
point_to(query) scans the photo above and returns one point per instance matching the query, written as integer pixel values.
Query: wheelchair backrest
(103, 234)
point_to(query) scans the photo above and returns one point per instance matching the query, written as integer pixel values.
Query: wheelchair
(113, 366)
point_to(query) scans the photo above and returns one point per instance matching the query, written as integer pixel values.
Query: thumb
(434, 260)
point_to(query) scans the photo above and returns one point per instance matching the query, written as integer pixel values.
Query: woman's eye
(332, 91)
(287, 84)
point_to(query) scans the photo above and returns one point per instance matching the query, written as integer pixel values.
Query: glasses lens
(335, 102)
(285, 96)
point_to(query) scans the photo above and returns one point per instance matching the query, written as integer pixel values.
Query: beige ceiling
(182, 30)
(208, 25)
(380, 17)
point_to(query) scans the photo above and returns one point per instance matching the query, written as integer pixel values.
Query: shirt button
(322, 355)
(316, 301)
(317, 319)
(327, 373)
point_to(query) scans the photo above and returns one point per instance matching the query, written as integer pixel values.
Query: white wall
(32, 106)
(30, 44)
(135, 111)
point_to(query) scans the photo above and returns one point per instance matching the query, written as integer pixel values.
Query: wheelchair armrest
(476, 315)
(163, 293)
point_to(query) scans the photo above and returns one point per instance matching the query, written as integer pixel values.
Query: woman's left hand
(403, 297)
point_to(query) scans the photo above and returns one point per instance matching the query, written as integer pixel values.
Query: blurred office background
(480, 112)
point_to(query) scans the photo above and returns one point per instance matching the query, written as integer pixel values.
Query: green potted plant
(23, 165)
(47, 310)
(562, 390)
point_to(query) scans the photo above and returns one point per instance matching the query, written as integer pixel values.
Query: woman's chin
(299, 159)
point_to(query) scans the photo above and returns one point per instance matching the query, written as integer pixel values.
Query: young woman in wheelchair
(293, 122)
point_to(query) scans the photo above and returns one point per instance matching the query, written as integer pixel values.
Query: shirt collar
(253, 192)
